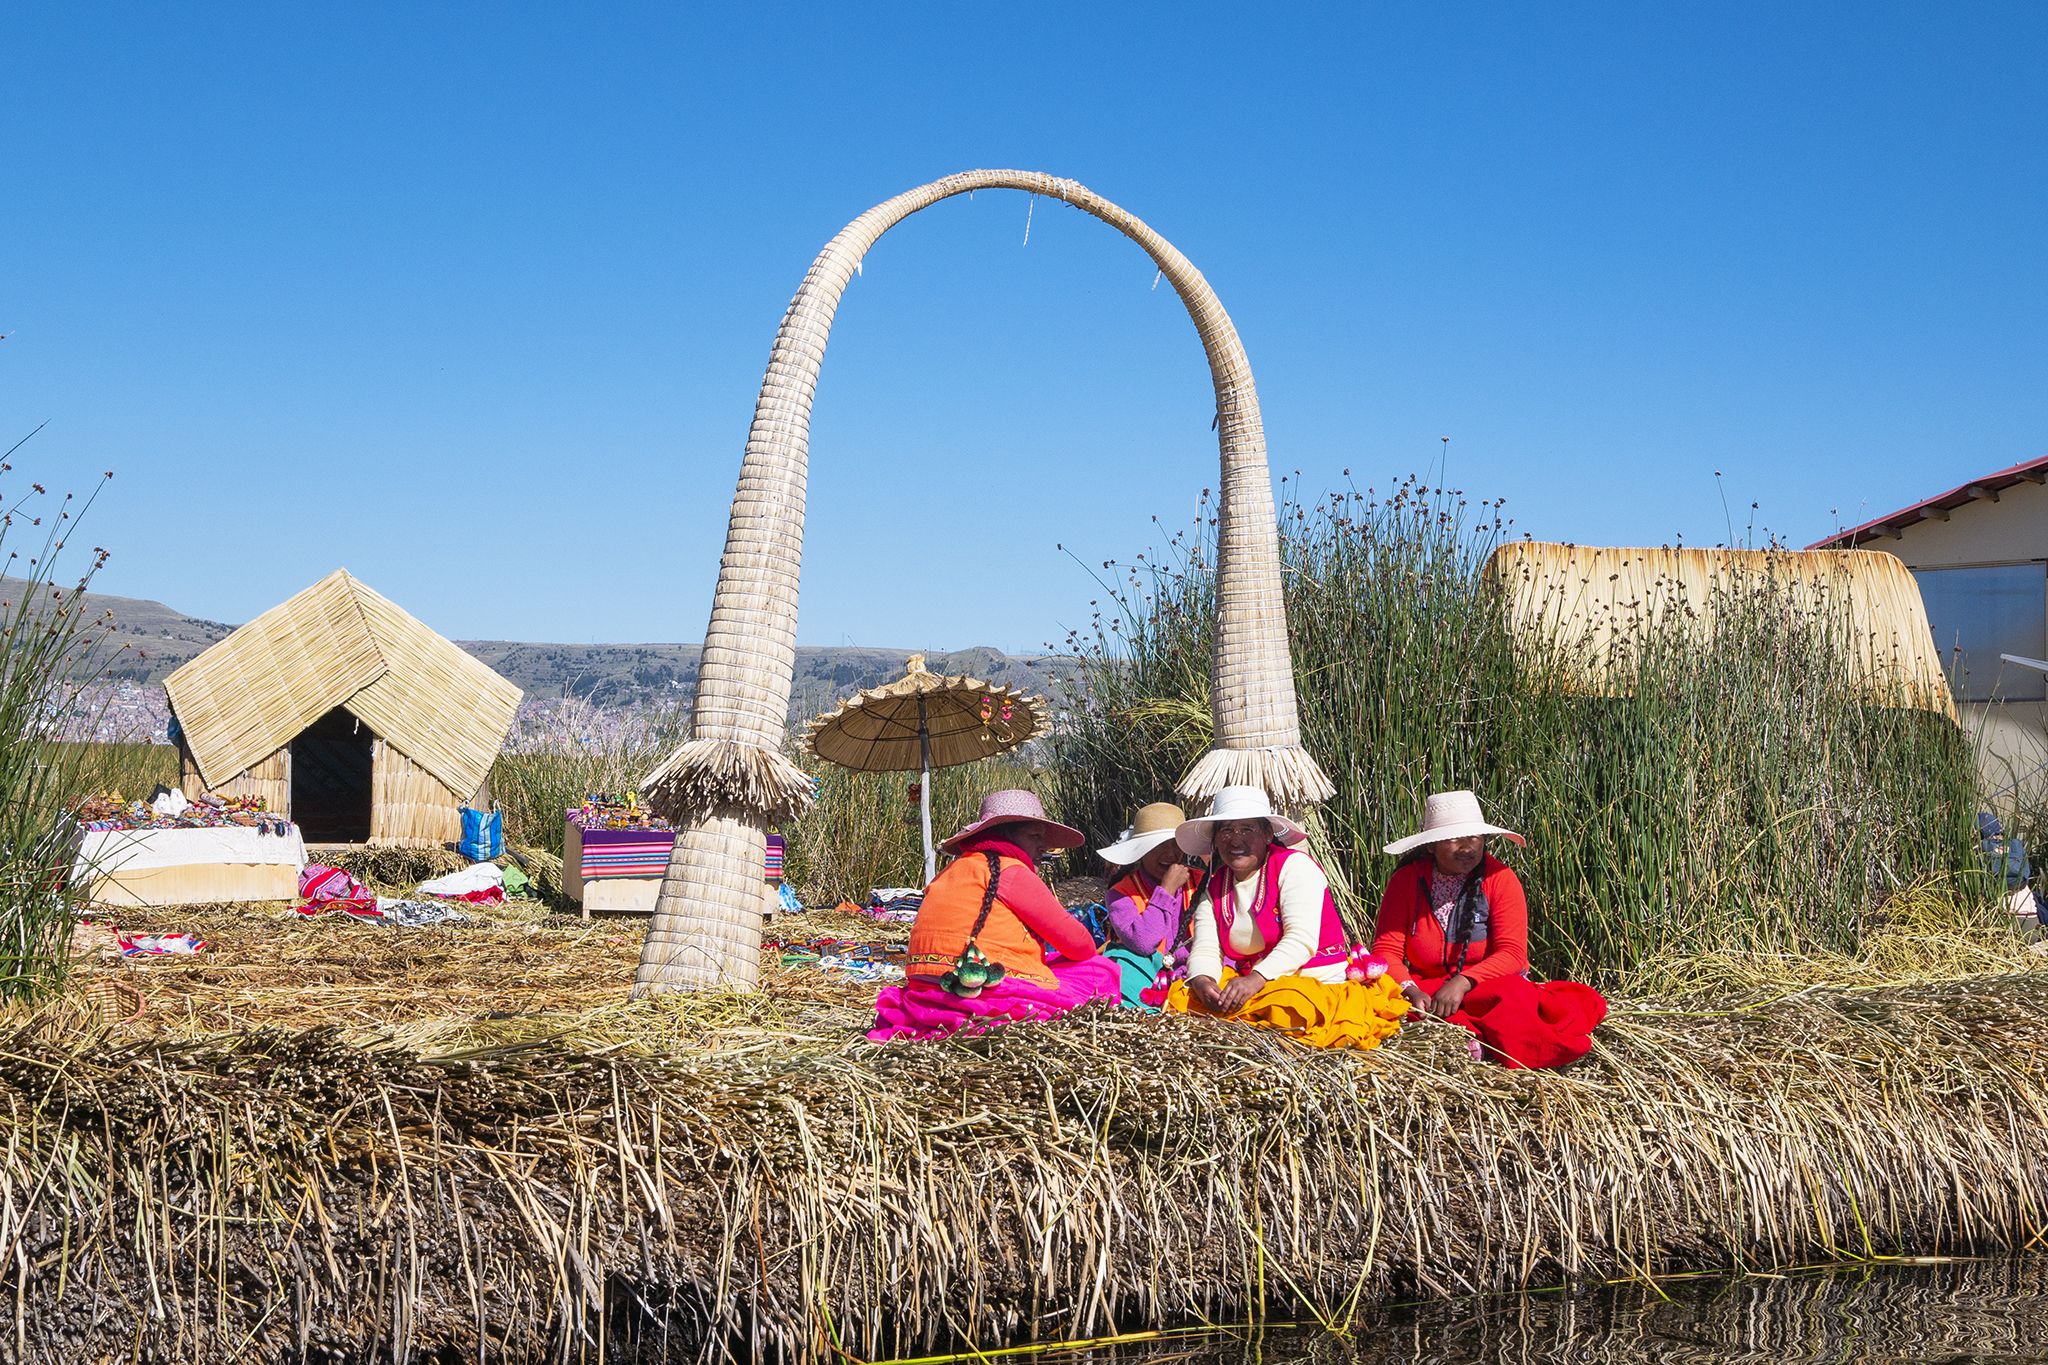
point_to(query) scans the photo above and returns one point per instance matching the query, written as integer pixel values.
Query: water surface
(1957, 1313)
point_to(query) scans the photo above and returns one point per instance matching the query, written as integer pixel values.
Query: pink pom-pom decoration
(1364, 964)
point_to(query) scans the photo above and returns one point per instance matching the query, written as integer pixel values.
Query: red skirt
(1523, 1025)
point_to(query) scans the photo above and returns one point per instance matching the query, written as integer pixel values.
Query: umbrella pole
(924, 793)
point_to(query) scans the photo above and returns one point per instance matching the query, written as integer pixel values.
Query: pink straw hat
(1008, 807)
(1450, 815)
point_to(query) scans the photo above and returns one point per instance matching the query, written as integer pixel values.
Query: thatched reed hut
(348, 715)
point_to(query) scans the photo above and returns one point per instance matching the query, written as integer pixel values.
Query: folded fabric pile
(601, 812)
(173, 811)
(416, 914)
(319, 882)
(479, 884)
(153, 945)
(363, 908)
(893, 904)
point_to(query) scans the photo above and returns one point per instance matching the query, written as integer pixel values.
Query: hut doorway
(332, 763)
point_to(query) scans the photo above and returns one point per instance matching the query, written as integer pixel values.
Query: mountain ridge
(152, 640)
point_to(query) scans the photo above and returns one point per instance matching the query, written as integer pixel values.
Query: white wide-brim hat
(1236, 803)
(1153, 826)
(1450, 815)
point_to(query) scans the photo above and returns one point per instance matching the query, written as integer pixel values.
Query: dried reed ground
(744, 1172)
(506, 974)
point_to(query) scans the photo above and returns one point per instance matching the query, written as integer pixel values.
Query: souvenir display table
(174, 866)
(614, 856)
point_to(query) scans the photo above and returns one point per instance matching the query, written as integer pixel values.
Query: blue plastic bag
(483, 836)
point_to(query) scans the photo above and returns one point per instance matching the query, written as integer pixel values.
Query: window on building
(1979, 614)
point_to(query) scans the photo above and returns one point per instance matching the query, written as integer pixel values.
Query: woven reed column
(731, 773)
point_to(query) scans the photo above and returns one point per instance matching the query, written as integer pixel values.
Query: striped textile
(626, 852)
(775, 857)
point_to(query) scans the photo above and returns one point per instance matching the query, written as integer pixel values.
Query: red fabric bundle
(318, 882)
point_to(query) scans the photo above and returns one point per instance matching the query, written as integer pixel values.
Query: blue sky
(474, 300)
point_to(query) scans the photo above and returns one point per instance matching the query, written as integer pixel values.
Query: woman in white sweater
(1266, 911)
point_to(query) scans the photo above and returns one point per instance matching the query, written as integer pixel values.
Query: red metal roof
(1888, 527)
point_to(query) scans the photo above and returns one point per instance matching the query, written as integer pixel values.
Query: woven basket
(750, 647)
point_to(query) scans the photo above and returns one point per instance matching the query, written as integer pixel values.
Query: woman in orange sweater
(991, 942)
(1454, 930)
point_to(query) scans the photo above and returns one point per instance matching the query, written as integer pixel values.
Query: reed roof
(1594, 599)
(338, 643)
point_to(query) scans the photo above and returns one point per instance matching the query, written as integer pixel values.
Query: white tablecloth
(104, 851)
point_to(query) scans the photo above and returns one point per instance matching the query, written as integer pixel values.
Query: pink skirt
(920, 1009)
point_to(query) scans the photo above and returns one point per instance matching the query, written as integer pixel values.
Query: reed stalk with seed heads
(51, 655)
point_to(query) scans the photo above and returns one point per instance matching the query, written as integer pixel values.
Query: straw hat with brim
(1007, 808)
(1236, 803)
(1153, 826)
(1450, 815)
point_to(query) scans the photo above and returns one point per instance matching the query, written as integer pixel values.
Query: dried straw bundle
(397, 869)
(797, 1192)
(1288, 773)
(750, 645)
(543, 867)
(707, 778)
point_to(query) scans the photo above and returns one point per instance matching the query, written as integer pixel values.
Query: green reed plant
(51, 654)
(1731, 788)
(132, 769)
(566, 750)
(864, 831)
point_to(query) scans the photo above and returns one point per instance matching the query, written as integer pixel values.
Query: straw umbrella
(924, 721)
(730, 780)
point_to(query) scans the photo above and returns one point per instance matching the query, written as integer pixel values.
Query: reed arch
(728, 782)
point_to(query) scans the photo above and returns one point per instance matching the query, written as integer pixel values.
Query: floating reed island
(332, 1141)
(744, 1176)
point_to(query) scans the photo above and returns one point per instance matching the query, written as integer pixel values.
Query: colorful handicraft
(972, 973)
(601, 812)
(111, 811)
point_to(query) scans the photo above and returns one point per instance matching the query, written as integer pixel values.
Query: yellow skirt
(1352, 1014)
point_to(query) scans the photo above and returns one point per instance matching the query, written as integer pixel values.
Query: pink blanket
(919, 1009)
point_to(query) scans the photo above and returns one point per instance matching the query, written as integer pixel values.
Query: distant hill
(631, 675)
(150, 639)
(158, 639)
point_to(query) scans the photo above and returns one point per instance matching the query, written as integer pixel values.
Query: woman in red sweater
(1454, 930)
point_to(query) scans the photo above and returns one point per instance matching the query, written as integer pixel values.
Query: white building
(1980, 554)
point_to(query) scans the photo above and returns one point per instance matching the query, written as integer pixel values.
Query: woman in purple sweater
(1148, 904)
